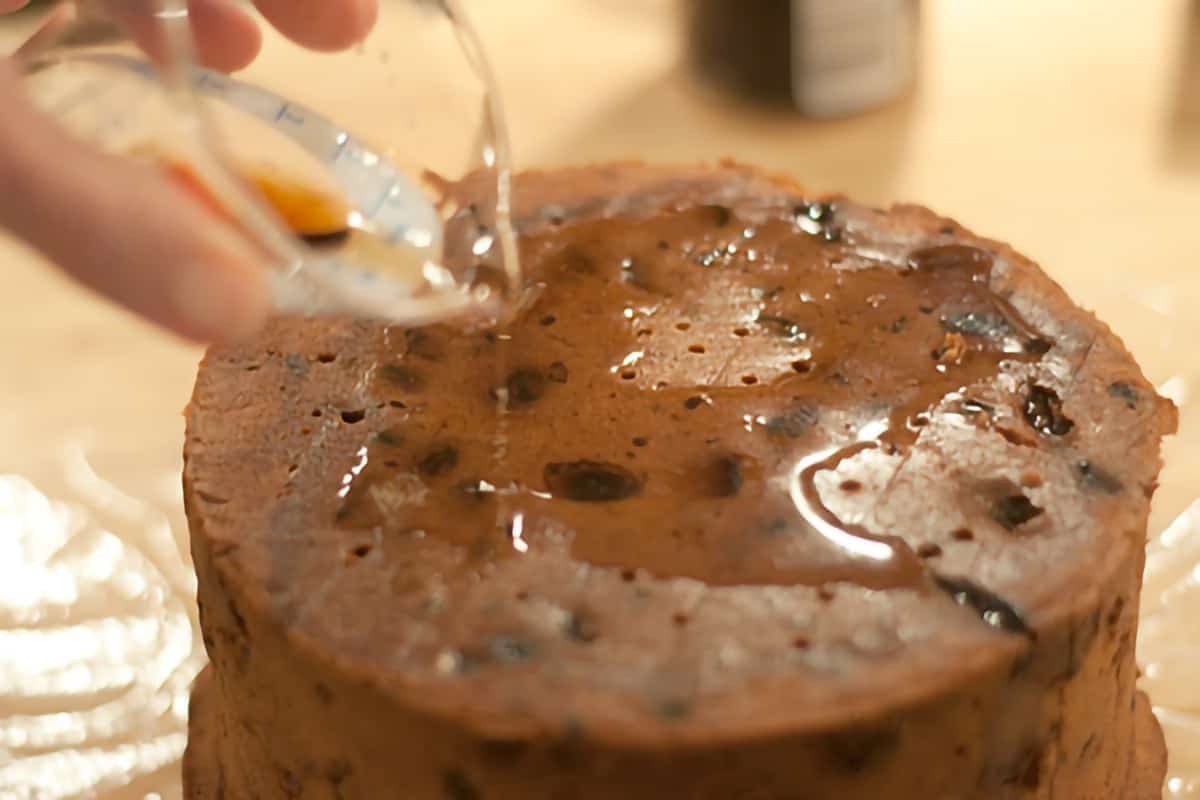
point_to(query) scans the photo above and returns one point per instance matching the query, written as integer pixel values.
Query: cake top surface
(738, 441)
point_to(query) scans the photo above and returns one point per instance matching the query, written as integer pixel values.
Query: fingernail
(221, 305)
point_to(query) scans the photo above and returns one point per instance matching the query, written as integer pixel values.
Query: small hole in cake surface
(680, 619)
(523, 595)
(327, 358)
(802, 367)
(628, 375)
(683, 326)
(316, 412)
(354, 416)
(628, 575)
(801, 643)
(548, 320)
(362, 551)
(645, 332)
(1013, 511)
(253, 368)
(851, 486)
(929, 550)
(640, 441)
(825, 594)
(741, 332)
(749, 380)
(698, 349)
(963, 534)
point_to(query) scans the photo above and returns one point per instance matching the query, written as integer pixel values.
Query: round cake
(756, 496)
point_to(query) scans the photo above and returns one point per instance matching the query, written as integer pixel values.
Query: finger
(322, 24)
(225, 36)
(124, 230)
(12, 5)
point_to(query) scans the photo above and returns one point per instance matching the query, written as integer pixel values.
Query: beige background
(1070, 129)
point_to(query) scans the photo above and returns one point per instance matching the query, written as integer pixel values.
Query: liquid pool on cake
(759, 497)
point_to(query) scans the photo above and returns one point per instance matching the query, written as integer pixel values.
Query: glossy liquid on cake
(743, 473)
(702, 357)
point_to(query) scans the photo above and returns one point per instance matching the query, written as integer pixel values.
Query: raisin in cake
(758, 496)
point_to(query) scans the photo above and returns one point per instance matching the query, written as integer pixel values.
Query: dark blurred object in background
(1183, 146)
(826, 58)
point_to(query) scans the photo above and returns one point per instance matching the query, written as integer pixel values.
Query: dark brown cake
(759, 497)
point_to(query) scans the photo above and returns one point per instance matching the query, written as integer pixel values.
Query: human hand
(125, 230)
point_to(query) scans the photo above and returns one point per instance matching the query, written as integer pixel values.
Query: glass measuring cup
(352, 215)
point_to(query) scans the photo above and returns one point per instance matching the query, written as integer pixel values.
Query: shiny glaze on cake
(756, 495)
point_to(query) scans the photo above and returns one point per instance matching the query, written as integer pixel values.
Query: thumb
(122, 229)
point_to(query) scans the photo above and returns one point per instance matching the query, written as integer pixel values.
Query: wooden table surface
(1070, 129)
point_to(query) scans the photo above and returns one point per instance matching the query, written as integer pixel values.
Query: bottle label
(848, 55)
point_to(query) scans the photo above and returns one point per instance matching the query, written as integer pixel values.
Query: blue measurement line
(383, 198)
(282, 112)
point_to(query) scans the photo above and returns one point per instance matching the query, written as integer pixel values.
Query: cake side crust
(204, 779)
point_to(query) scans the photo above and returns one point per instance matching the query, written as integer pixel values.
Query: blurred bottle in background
(826, 58)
